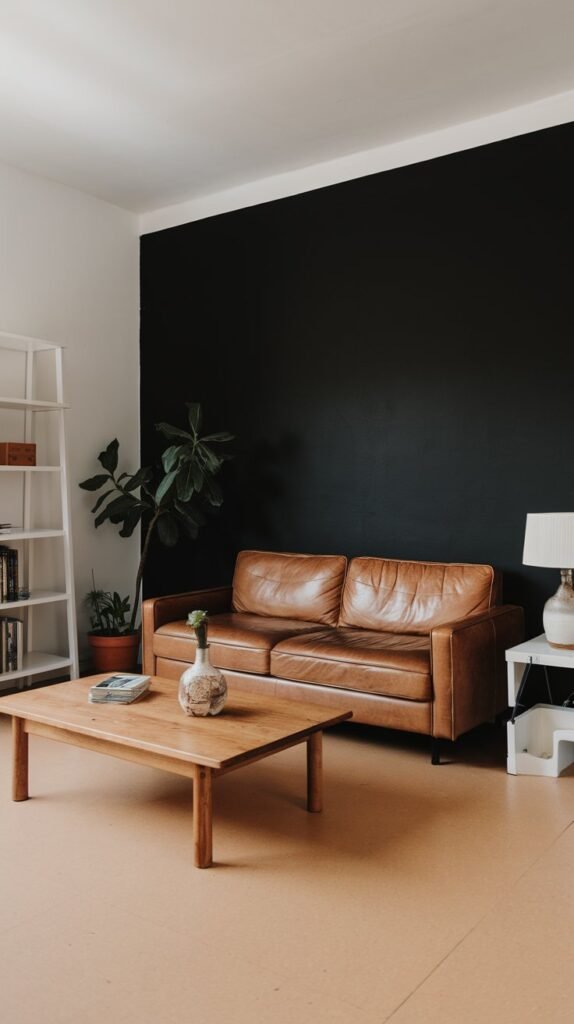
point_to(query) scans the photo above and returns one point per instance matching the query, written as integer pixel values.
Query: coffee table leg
(315, 772)
(19, 760)
(202, 817)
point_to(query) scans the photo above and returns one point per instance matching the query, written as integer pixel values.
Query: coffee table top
(249, 725)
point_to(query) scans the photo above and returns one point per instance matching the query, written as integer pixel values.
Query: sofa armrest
(156, 611)
(469, 669)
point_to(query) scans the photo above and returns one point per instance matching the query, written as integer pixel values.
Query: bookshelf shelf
(21, 343)
(32, 369)
(36, 597)
(7, 538)
(37, 663)
(30, 469)
(30, 404)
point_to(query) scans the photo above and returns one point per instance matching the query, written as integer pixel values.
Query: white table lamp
(549, 542)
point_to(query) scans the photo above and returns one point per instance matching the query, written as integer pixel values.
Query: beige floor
(421, 894)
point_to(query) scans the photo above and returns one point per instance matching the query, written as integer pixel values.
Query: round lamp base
(558, 617)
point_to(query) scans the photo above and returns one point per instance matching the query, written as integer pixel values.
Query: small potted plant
(170, 499)
(113, 646)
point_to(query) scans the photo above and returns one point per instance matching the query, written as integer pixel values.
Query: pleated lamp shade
(549, 540)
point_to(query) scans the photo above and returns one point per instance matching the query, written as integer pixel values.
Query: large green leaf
(171, 455)
(131, 521)
(185, 482)
(194, 415)
(196, 475)
(95, 482)
(168, 431)
(212, 461)
(101, 518)
(168, 530)
(101, 500)
(164, 486)
(221, 438)
(141, 477)
(109, 457)
(116, 510)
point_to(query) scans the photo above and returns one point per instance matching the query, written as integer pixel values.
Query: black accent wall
(395, 355)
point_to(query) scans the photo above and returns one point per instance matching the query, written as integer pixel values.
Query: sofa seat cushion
(389, 664)
(237, 641)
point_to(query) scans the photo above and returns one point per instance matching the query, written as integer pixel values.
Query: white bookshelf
(36, 500)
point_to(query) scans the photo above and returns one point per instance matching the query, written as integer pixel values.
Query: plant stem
(143, 558)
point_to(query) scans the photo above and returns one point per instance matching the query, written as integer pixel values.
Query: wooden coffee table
(155, 732)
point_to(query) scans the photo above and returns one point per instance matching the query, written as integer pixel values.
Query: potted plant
(113, 646)
(170, 499)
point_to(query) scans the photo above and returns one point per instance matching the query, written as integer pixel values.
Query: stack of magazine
(121, 688)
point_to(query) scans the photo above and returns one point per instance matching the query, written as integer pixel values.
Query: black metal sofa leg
(436, 747)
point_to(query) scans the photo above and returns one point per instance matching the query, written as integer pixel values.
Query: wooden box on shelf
(17, 453)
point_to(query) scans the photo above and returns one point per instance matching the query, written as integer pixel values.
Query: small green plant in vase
(198, 621)
(202, 687)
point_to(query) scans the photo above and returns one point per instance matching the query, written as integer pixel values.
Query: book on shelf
(11, 644)
(8, 574)
(120, 688)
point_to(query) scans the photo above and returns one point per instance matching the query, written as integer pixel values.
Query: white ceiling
(147, 103)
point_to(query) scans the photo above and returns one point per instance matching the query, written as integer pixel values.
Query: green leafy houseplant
(171, 498)
(108, 611)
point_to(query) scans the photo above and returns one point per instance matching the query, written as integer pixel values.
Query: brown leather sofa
(408, 645)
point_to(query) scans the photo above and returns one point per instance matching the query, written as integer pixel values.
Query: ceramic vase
(202, 687)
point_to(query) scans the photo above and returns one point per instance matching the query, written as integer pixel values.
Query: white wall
(69, 274)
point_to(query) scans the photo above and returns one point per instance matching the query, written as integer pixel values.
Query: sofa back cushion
(306, 587)
(414, 597)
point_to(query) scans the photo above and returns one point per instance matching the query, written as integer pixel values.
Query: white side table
(540, 740)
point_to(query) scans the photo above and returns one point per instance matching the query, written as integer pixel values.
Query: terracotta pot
(114, 653)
